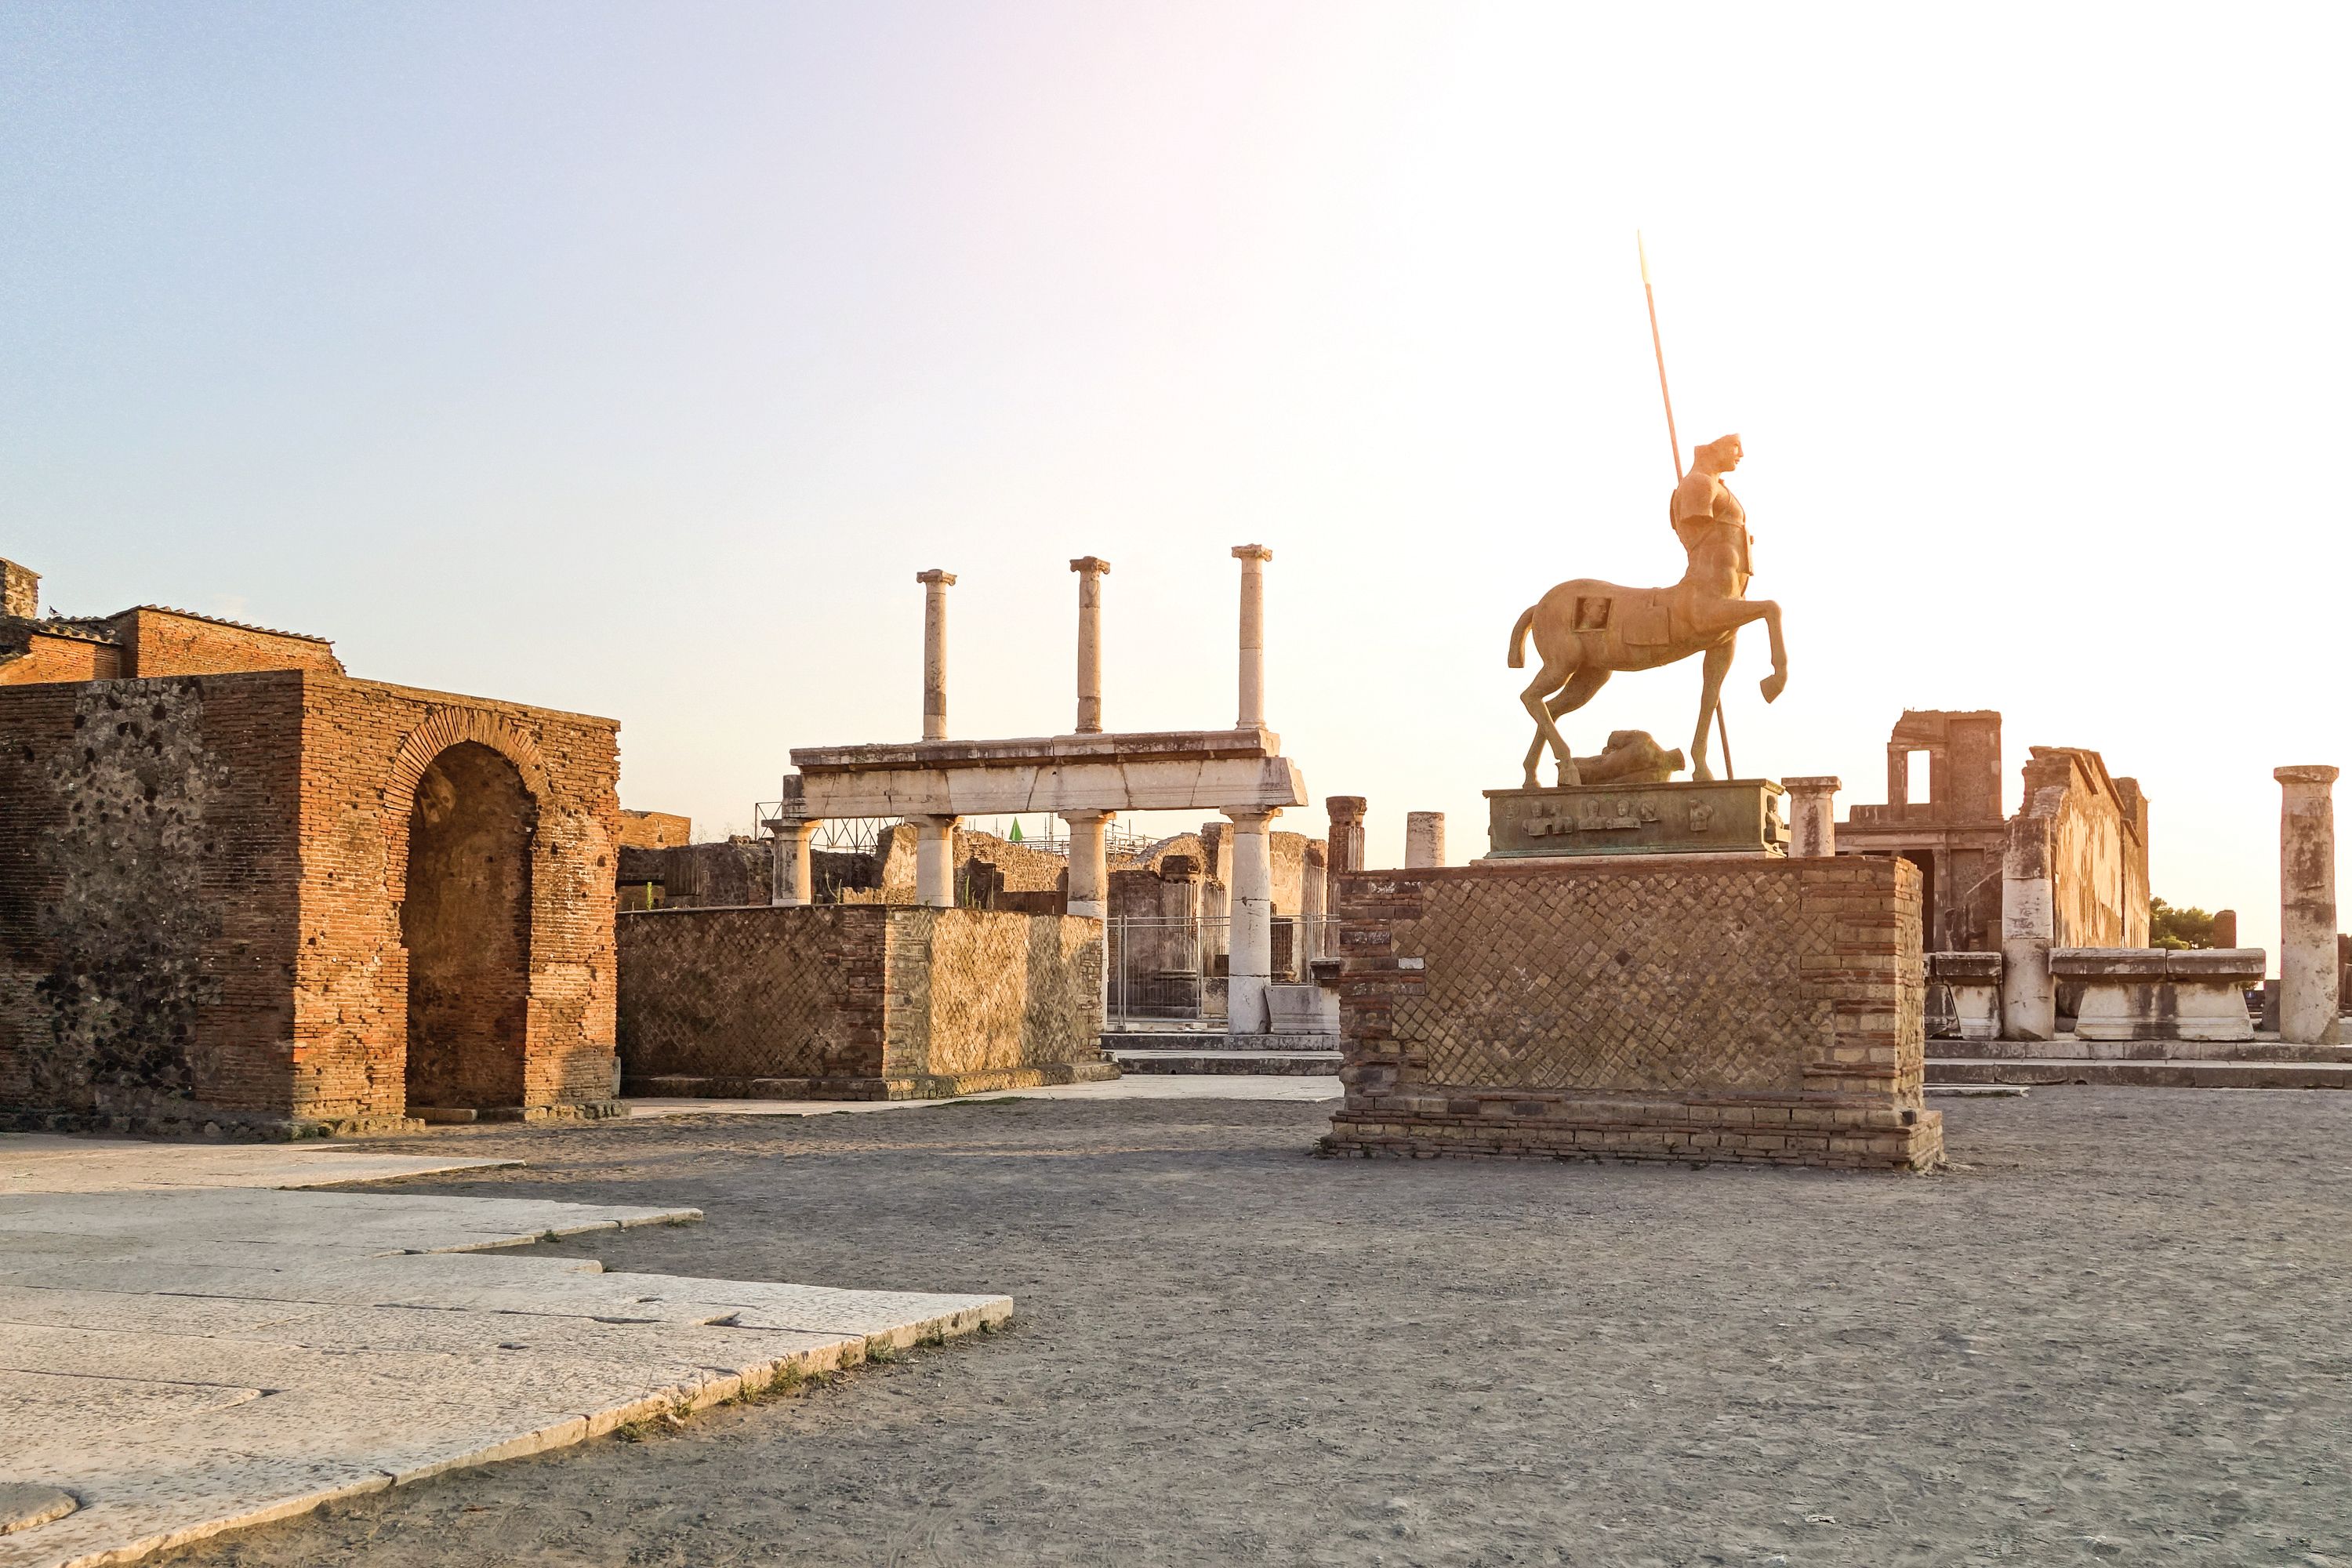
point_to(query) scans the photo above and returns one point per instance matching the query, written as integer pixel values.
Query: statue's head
(1722, 454)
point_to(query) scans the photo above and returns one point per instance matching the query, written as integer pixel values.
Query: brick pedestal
(1693, 1008)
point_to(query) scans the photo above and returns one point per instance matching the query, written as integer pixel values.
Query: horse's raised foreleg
(1717, 666)
(1772, 683)
(1557, 672)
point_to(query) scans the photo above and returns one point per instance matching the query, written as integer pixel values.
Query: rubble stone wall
(1702, 1008)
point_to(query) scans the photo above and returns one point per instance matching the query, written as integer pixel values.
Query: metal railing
(1171, 969)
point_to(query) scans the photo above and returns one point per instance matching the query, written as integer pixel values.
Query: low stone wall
(2149, 994)
(1701, 1008)
(1964, 996)
(856, 1002)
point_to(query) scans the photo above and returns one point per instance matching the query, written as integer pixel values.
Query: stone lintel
(1964, 966)
(2158, 963)
(1174, 783)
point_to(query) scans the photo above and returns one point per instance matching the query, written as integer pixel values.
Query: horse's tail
(1519, 638)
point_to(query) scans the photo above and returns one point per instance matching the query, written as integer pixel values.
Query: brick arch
(444, 728)
(447, 727)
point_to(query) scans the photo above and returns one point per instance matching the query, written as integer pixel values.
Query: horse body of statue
(1587, 630)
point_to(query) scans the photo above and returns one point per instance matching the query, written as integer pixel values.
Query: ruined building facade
(2086, 829)
(238, 887)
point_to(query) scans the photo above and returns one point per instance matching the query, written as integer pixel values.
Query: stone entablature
(2152, 993)
(1158, 770)
(857, 1001)
(1703, 1008)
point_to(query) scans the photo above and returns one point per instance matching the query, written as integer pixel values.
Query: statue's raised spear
(1675, 445)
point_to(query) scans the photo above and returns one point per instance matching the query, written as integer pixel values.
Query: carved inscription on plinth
(1730, 816)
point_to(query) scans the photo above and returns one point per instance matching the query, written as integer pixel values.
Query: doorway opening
(466, 925)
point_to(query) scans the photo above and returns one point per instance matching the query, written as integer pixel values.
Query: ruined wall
(868, 1001)
(1726, 1007)
(149, 895)
(727, 875)
(2097, 848)
(655, 829)
(157, 642)
(991, 872)
(980, 996)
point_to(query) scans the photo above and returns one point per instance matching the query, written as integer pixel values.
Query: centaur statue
(1587, 631)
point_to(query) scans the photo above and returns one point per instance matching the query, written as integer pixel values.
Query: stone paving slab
(182, 1357)
(49, 1163)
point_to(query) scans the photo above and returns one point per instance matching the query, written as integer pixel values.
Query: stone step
(2051, 1071)
(2067, 1048)
(1214, 1040)
(1289, 1063)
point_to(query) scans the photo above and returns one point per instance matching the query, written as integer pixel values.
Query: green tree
(2169, 927)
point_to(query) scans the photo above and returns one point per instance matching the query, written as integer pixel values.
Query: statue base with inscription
(1728, 816)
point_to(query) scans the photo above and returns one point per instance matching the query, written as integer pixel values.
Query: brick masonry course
(1704, 1009)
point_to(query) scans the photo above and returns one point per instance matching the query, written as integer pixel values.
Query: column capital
(944, 579)
(1094, 565)
(1084, 818)
(933, 820)
(1344, 808)
(1814, 783)
(2308, 774)
(793, 827)
(1252, 553)
(1247, 817)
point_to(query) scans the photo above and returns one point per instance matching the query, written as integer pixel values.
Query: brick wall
(200, 889)
(158, 642)
(855, 1001)
(655, 829)
(1720, 1007)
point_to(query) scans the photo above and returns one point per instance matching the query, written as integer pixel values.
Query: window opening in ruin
(466, 925)
(1919, 786)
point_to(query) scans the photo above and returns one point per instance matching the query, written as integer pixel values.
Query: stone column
(1253, 558)
(2225, 928)
(2029, 929)
(936, 584)
(1249, 967)
(1347, 814)
(1812, 817)
(1090, 570)
(1424, 839)
(2307, 973)
(1089, 866)
(792, 884)
(1314, 899)
(935, 862)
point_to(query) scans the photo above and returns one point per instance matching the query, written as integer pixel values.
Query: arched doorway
(465, 922)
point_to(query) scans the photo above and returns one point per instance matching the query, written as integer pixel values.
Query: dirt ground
(2115, 1331)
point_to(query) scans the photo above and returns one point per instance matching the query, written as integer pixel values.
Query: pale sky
(632, 360)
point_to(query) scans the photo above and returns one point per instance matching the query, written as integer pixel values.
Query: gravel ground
(2115, 1331)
